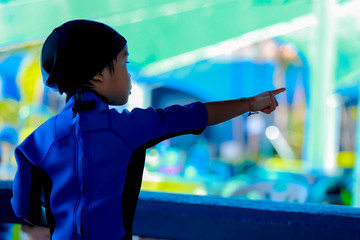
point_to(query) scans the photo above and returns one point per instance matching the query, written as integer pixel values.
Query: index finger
(277, 91)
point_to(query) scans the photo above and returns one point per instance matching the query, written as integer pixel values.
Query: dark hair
(110, 66)
(77, 51)
(87, 85)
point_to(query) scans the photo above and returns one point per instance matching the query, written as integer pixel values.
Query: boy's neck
(69, 95)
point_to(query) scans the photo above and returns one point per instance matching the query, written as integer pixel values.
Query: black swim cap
(76, 51)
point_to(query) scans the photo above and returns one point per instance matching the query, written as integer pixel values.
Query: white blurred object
(255, 125)
(138, 97)
(230, 151)
(279, 142)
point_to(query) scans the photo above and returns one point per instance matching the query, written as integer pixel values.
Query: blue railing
(178, 216)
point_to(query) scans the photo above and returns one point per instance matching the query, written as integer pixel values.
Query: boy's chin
(118, 102)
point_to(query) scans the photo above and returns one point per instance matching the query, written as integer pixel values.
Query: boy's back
(91, 165)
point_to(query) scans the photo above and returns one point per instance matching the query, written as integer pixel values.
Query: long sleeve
(150, 126)
(27, 188)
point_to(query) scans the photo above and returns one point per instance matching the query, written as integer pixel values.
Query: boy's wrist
(249, 104)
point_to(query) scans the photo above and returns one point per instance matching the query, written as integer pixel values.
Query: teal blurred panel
(31, 20)
(155, 29)
(170, 35)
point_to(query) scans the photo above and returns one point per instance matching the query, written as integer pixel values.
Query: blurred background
(208, 50)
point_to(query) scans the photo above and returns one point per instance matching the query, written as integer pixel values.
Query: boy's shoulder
(38, 142)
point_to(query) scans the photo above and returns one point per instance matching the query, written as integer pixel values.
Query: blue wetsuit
(89, 167)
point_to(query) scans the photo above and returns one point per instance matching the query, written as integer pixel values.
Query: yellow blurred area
(276, 163)
(173, 184)
(9, 111)
(174, 187)
(346, 159)
(30, 81)
(353, 112)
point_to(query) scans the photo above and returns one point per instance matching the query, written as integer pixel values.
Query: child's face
(115, 86)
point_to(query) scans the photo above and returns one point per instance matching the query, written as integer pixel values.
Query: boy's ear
(97, 79)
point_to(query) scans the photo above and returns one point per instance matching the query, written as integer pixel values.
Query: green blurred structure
(325, 32)
(157, 29)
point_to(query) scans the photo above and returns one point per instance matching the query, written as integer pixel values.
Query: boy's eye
(127, 62)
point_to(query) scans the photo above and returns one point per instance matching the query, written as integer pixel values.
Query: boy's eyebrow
(127, 54)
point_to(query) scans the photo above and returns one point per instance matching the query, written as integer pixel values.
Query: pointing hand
(265, 102)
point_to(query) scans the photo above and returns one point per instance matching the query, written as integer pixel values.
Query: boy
(88, 160)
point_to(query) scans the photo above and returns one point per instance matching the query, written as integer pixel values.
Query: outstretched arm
(222, 111)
